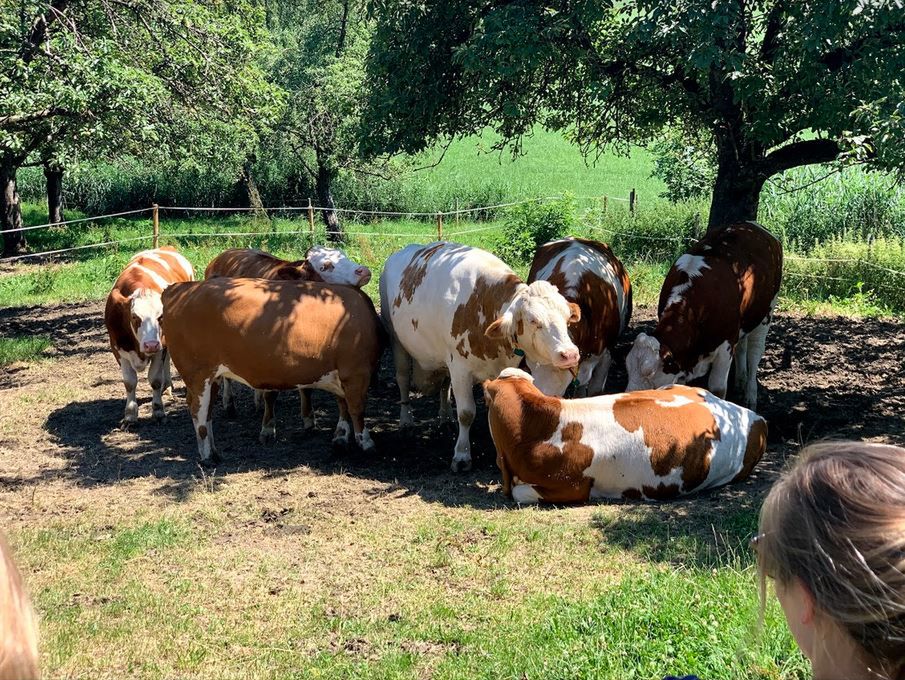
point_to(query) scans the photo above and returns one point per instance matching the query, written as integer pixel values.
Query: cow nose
(569, 357)
(363, 274)
(151, 347)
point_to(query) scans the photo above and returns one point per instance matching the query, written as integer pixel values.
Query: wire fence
(155, 235)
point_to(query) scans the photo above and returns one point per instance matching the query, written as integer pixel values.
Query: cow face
(333, 266)
(650, 365)
(146, 310)
(538, 319)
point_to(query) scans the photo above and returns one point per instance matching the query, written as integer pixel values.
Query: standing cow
(588, 274)
(273, 335)
(132, 317)
(716, 303)
(460, 311)
(653, 445)
(320, 263)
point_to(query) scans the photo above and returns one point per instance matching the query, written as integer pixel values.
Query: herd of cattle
(456, 315)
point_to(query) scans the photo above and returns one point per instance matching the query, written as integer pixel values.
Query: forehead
(321, 254)
(147, 305)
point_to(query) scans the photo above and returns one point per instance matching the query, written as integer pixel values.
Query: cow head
(333, 266)
(537, 320)
(650, 365)
(491, 386)
(146, 309)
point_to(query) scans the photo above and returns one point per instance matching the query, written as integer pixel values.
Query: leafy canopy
(820, 77)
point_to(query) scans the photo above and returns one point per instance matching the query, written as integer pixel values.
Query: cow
(650, 445)
(462, 314)
(132, 317)
(273, 335)
(588, 274)
(716, 304)
(320, 263)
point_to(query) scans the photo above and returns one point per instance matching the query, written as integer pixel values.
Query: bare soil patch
(821, 377)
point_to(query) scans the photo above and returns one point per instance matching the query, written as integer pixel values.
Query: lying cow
(132, 317)
(588, 274)
(320, 263)
(716, 303)
(652, 445)
(460, 311)
(273, 335)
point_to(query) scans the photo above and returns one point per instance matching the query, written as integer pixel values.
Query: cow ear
(489, 391)
(574, 313)
(289, 273)
(498, 329)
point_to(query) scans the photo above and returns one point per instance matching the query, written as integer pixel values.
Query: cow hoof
(268, 434)
(128, 422)
(463, 465)
(159, 416)
(340, 444)
(211, 461)
(309, 424)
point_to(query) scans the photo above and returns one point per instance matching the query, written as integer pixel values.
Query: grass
(450, 594)
(17, 349)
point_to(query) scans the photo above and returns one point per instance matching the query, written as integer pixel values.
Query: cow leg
(258, 395)
(599, 376)
(308, 420)
(740, 364)
(268, 425)
(445, 414)
(719, 370)
(199, 398)
(130, 381)
(157, 379)
(356, 391)
(462, 385)
(757, 343)
(403, 363)
(227, 397)
(167, 378)
(506, 474)
(343, 429)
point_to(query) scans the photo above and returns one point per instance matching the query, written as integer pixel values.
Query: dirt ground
(821, 377)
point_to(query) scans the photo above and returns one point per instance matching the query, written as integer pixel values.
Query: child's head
(832, 536)
(18, 633)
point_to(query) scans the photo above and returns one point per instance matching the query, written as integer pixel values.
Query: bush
(531, 225)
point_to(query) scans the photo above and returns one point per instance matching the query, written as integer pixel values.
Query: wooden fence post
(155, 219)
(457, 213)
(311, 220)
(605, 199)
(439, 226)
(631, 201)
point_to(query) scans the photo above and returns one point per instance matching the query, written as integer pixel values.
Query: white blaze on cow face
(645, 367)
(146, 310)
(538, 318)
(333, 266)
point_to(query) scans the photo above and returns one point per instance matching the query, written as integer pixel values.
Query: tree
(321, 65)
(776, 84)
(82, 78)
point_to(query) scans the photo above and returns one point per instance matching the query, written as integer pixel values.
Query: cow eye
(323, 267)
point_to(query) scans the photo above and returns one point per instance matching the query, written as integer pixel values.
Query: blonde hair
(836, 521)
(18, 630)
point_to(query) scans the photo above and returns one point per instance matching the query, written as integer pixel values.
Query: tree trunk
(10, 210)
(736, 192)
(251, 187)
(323, 183)
(53, 173)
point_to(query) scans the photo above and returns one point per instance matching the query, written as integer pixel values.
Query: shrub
(530, 225)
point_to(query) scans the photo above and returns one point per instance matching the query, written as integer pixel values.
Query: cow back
(250, 263)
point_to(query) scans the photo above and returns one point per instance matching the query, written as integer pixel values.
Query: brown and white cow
(320, 263)
(273, 335)
(460, 311)
(716, 303)
(588, 274)
(132, 317)
(653, 445)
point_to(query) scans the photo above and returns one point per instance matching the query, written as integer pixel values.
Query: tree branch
(38, 32)
(16, 119)
(806, 152)
(770, 45)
